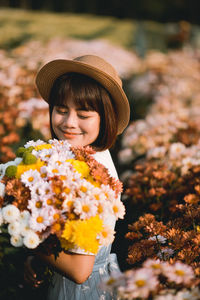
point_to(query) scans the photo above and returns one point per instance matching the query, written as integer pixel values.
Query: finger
(28, 266)
(29, 278)
(34, 284)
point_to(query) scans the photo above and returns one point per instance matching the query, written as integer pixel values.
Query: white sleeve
(105, 159)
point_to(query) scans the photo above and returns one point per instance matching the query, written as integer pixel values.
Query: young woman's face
(79, 127)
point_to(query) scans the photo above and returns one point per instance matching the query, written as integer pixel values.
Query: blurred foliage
(159, 10)
(18, 26)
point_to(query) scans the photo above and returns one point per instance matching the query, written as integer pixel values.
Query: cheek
(95, 126)
(56, 119)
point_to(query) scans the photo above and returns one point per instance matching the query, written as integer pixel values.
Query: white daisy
(16, 241)
(68, 203)
(47, 200)
(69, 178)
(34, 144)
(153, 265)
(85, 188)
(69, 187)
(41, 218)
(97, 194)
(103, 208)
(56, 157)
(31, 177)
(75, 177)
(14, 228)
(41, 189)
(10, 213)
(43, 154)
(24, 216)
(179, 273)
(85, 208)
(112, 282)
(107, 236)
(62, 147)
(118, 208)
(109, 193)
(66, 154)
(53, 168)
(43, 172)
(31, 240)
(176, 150)
(35, 203)
(24, 222)
(24, 229)
(141, 283)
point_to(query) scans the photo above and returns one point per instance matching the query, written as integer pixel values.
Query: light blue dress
(62, 288)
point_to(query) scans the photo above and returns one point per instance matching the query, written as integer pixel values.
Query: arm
(76, 267)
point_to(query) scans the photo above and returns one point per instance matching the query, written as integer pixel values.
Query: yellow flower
(92, 181)
(43, 146)
(82, 234)
(21, 168)
(80, 166)
(66, 244)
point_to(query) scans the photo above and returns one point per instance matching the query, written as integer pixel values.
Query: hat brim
(52, 70)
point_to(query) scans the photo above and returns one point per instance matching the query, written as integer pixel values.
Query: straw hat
(94, 67)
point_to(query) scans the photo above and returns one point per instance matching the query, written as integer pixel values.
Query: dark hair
(87, 94)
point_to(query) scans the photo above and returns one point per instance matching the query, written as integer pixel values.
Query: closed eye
(83, 117)
(61, 111)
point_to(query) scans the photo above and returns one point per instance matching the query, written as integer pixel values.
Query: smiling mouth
(71, 133)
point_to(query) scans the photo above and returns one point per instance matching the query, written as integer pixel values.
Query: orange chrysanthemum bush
(19, 105)
(160, 156)
(8, 129)
(164, 249)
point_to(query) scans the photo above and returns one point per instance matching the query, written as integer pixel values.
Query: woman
(87, 106)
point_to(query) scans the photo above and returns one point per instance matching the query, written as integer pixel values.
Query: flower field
(162, 186)
(158, 158)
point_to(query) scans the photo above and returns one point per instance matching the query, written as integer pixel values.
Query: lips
(71, 133)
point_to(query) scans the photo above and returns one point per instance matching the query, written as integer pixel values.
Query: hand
(30, 276)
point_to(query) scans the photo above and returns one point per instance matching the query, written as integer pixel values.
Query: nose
(70, 120)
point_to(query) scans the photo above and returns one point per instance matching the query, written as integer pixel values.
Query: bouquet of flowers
(57, 196)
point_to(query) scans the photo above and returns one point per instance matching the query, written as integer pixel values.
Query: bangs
(82, 89)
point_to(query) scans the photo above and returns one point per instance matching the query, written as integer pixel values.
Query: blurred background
(154, 45)
(158, 10)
